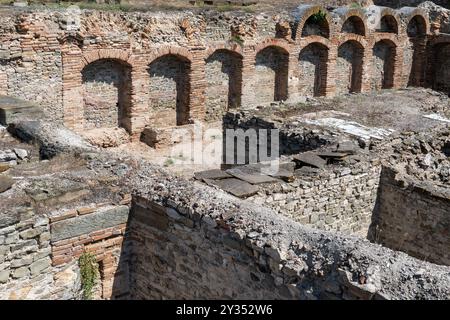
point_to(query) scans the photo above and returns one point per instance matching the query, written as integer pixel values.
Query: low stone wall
(339, 200)
(204, 244)
(412, 219)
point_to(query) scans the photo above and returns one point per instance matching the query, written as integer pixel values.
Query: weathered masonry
(159, 70)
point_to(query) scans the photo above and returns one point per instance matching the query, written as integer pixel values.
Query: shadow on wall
(440, 67)
(223, 73)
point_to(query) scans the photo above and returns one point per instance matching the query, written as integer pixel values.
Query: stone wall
(39, 256)
(342, 199)
(313, 70)
(412, 218)
(271, 76)
(241, 251)
(182, 239)
(349, 65)
(383, 63)
(169, 91)
(25, 263)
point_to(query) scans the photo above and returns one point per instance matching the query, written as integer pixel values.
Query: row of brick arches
(107, 82)
(167, 87)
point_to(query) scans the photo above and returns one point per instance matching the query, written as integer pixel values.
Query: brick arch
(106, 92)
(180, 52)
(232, 47)
(282, 45)
(271, 62)
(384, 52)
(314, 39)
(357, 18)
(409, 14)
(304, 13)
(121, 56)
(422, 23)
(389, 21)
(223, 76)
(361, 40)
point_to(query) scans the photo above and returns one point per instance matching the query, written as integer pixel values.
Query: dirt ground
(400, 110)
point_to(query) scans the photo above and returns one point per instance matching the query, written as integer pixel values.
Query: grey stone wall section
(101, 219)
(412, 219)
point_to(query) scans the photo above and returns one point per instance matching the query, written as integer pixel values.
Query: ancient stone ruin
(100, 111)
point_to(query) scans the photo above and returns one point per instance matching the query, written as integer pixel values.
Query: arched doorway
(223, 72)
(354, 24)
(313, 61)
(271, 74)
(384, 55)
(349, 67)
(106, 89)
(169, 90)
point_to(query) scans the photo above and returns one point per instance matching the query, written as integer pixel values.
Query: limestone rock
(6, 183)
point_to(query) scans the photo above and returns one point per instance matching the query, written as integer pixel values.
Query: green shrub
(319, 17)
(89, 274)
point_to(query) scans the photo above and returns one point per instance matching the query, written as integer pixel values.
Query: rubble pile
(424, 155)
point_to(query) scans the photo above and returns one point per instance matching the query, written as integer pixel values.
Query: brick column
(330, 88)
(197, 85)
(139, 96)
(366, 74)
(71, 87)
(248, 72)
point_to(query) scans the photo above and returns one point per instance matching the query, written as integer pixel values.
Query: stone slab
(13, 109)
(214, 174)
(251, 175)
(236, 187)
(310, 159)
(6, 183)
(332, 154)
(85, 224)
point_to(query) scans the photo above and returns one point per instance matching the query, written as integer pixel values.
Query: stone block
(102, 219)
(6, 183)
(14, 109)
(40, 265)
(4, 276)
(21, 272)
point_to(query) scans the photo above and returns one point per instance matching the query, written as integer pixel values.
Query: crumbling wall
(25, 263)
(167, 78)
(412, 219)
